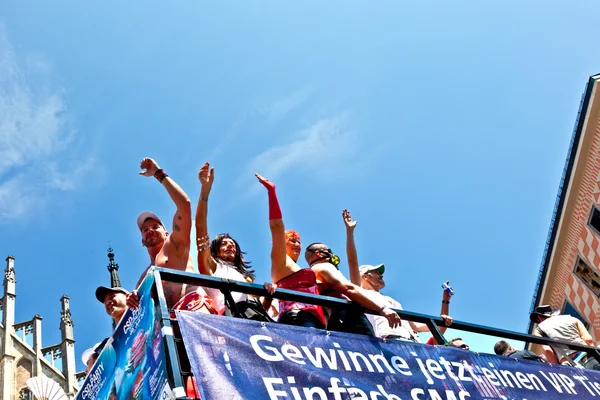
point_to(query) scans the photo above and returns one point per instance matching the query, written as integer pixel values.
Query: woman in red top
(286, 273)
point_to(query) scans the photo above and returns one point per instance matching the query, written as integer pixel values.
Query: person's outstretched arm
(444, 313)
(585, 335)
(182, 220)
(206, 263)
(278, 248)
(351, 253)
(329, 274)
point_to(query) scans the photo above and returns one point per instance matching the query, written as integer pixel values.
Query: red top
(304, 281)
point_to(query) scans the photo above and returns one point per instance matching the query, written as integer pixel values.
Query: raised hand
(350, 225)
(446, 295)
(206, 175)
(149, 167)
(266, 183)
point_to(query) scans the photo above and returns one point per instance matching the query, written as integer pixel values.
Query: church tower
(7, 359)
(22, 354)
(113, 268)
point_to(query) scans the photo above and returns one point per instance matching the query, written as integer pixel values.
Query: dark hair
(454, 340)
(308, 248)
(502, 347)
(241, 265)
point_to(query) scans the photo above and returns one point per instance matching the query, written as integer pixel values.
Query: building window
(588, 276)
(570, 310)
(594, 221)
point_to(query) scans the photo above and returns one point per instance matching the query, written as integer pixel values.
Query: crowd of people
(223, 257)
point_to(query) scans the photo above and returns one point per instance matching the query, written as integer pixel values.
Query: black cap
(103, 290)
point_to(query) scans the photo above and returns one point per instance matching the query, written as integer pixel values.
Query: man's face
(91, 362)
(227, 250)
(293, 248)
(374, 279)
(153, 233)
(317, 251)
(115, 304)
(460, 344)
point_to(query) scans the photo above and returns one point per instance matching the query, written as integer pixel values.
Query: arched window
(25, 394)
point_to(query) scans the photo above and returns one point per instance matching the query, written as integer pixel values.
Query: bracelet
(160, 174)
(203, 243)
(445, 302)
(382, 308)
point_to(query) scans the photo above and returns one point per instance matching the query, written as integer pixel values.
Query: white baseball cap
(147, 215)
(363, 269)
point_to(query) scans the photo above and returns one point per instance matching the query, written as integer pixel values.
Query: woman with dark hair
(222, 257)
(219, 249)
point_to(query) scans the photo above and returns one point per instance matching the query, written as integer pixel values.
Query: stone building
(22, 354)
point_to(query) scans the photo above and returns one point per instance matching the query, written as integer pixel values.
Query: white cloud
(268, 115)
(328, 148)
(278, 110)
(35, 139)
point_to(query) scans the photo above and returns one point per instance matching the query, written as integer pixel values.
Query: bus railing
(227, 286)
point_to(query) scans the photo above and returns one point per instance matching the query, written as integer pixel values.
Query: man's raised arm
(182, 221)
(351, 253)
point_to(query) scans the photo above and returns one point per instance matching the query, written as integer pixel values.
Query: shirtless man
(166, 250)
(330, 277)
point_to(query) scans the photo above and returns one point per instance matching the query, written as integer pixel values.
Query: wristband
(445, 302)
(160, 174)
(382, 308)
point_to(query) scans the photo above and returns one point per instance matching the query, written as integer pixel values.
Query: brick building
(569, 277)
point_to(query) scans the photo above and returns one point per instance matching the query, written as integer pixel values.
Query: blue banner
(243, 359)
(132, 363)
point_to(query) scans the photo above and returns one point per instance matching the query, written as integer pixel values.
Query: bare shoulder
(170, 247)
(327, 272)
(291, 265)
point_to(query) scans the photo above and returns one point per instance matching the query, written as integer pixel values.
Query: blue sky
(443, 127)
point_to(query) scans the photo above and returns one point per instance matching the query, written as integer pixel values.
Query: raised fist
(206, 175)
(149, 167)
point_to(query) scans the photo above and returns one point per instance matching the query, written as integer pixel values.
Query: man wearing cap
(168, 250)
(563, 327)
(114, 300)
(90, 356)
(372, 280)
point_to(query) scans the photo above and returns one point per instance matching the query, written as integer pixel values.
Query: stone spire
(67, 346)
(7, 352)
(113, 267)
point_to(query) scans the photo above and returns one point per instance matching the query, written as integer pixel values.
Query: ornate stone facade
(21, 353)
